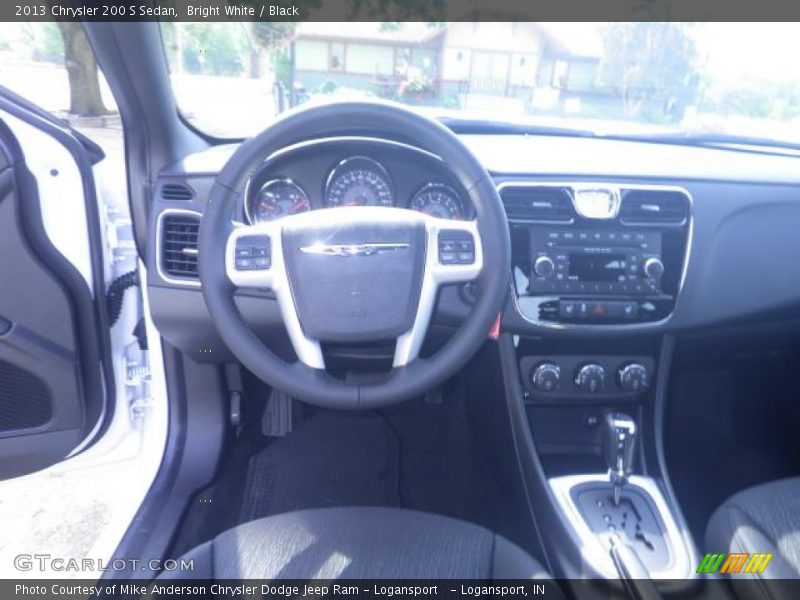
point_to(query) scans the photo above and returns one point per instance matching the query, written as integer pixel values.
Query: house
(365, 55)
(464, 64)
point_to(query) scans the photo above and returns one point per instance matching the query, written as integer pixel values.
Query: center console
(597, 253)
(592, 261)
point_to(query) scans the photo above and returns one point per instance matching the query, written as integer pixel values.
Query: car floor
(419, 456)
(731, 426)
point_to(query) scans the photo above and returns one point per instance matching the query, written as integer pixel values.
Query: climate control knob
(543, 266)
(546, 376)
(591, 378)
(653, 268)
(633, 377)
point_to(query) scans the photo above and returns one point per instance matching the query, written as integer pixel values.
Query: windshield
(232, 79)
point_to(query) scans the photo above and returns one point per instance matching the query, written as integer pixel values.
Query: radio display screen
(597, 267)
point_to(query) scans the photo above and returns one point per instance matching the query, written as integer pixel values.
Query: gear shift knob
(619, 444)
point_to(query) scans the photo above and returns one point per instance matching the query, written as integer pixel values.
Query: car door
(54, 368)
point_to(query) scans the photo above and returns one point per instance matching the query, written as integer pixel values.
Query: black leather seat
(360, 543)
(765, 518)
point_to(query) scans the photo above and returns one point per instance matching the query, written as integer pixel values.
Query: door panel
(52, 351)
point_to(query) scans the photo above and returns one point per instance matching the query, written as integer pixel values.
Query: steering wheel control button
(244, 264)
(546, 376)
(633, 377)
(456, 247)
(253, 253)
(591, 378)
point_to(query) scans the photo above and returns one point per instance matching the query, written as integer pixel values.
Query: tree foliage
(652, 67)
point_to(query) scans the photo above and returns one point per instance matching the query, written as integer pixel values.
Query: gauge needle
(302, 203)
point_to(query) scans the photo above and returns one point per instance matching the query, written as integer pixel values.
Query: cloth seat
(761, 519)
(359, 543)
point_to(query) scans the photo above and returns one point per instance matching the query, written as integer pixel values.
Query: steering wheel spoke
(254, 259)
(454, 255)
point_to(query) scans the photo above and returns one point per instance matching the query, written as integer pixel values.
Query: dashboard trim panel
(599, 328)
(159, 220)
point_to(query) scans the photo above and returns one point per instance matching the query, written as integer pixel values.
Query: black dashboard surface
(743, 251)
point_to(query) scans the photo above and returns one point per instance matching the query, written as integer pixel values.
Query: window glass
(232, 79)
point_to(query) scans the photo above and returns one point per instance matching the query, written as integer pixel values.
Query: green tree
(652, 67)
(84, 80)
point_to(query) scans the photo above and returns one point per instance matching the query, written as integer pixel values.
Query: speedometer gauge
(277, 198)
(359, 181)
(438, 200)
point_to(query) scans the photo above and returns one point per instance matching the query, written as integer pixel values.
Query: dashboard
(730, 254)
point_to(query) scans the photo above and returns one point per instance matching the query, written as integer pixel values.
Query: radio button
(543, 266)
(629, 310)
(653, 268)
(567, 309)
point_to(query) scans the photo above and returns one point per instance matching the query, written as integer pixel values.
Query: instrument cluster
(356, 180)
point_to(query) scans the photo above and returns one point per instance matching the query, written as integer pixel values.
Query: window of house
(369, 59)
(311, 55)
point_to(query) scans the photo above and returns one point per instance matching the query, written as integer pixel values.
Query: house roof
(408, 33)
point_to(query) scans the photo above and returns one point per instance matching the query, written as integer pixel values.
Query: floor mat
(332, 460)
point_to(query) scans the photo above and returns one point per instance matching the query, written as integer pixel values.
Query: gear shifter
(619, 443)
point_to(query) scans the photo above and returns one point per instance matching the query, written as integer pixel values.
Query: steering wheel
(354, 274)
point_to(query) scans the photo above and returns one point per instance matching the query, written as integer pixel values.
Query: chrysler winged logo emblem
(353, 249)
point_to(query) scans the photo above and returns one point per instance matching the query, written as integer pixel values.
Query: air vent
(538, 203)
(176, 191)
(178, 244)
(659, 207)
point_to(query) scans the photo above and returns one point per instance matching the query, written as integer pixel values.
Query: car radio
(618, 262)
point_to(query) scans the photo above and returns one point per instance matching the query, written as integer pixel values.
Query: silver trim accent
(347, 250)
(595, 555)
(599, 328)
(276, 278)
(584, 208)
(247, 199)
(159, 268)
(342, 164)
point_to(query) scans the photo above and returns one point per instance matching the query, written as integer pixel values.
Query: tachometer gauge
(277, 198)
(438, 200)
(359, 181)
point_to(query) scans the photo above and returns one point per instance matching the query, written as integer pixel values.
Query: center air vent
(176, 191)
(178, 244)
(658, 207)
(538, 203)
